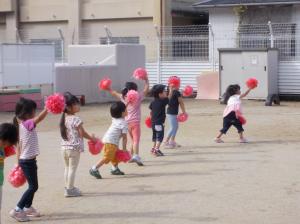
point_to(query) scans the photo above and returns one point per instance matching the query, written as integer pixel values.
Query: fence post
(271, 34)
(213, 46)
(158, 55)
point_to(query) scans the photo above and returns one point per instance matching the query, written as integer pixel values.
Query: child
(172, 112)
(8, 137)
(116, 131)
(232, 111)
(27, 151)
(133, 118)
(158, 116)
(72, 133)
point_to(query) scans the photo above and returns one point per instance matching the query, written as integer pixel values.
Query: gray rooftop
(228, 3)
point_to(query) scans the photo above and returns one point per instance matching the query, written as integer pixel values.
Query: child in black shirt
(158, 116)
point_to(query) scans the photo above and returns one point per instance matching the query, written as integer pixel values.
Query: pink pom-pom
(140, 73)
(182, 117)
(105, 84)
(123, 155)
(242, 119)
(95, 147)
(174, 81)
(9, 151)
(16, 177)
(252, 83)
(188, 91)
(55, 103)
(132, 96)
(148, 122)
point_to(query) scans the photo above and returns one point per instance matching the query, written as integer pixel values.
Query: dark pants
(230, 120)
(158, 132)
(29, 168)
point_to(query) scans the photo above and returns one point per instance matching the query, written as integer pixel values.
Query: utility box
(236, 65)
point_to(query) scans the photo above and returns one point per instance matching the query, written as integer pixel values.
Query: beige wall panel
(2, 18)
(6, 6)
(2, 33)
(110, 9)
(40, 10)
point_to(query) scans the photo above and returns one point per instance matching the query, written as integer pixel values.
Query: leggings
(173, 125)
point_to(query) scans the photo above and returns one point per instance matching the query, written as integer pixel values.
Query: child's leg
(130, 130)
(74, 157)
(136, 136)
(29, 168)
(66, 162)
(237, 124)
(174, 127)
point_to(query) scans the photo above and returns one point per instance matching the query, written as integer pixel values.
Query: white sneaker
(19, 216)
(218, 140)
(136, 159)
(74, 192)
(244, 140)
(31, 212)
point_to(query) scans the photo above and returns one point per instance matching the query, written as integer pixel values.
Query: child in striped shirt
(8, 137)
(27, 151)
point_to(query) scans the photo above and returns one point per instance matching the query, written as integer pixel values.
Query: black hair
(157, 89)
(117, 108)
(129, 86)
(70, 100)
(24, 108)
(230, 91)
(9, 133)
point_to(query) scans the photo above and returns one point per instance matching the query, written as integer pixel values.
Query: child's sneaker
(19, 216)
(117, 172)
(168, 145)
(218, 140)
(153, 151)
(95, 173)
(74, 192)
(136, 159)
(244, 140)
(31, 212)
(159, 153)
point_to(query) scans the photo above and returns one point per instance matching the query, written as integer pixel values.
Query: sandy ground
(202, 182)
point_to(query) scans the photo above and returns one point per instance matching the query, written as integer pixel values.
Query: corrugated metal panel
(187, 71)
(289, 77)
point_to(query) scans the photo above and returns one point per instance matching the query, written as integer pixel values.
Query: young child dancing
(8, 137)
(72, 134)
(134, 117)
(27, 151)
(232, 112)
(116, 131)
(172, 112)
(158, 116)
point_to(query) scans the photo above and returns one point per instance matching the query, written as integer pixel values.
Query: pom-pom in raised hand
(174, 81)
(55, 103)
(252, 83)
(16, 177)
(140, 73)
(105, 84)
(188, 91)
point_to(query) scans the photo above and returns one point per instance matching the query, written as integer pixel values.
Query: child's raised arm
(146, 88)
(40, 117)
(124, 141)
(181, 103)
(245, 94)
(84, 134)
(115, 94)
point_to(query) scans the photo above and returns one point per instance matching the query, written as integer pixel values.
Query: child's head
(232, 90)
(118, 110)
(25, 109)
(159, 91)
(8, 135)
(129, 86)
(72, 103)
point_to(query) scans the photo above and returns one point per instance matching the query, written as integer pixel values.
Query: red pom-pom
(148, 122)
(242, 119)
(182, 117)
(188, 91)
(105, 84)
(16, 177)
(174, 81)
(55, 103)
(9, 151)
(123, 155)
(132, 96)
(252, 83)
(95, 147)
(140, 73)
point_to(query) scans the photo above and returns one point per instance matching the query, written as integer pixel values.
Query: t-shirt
(134, 110)
(234, 104)
(113, 135)
(2, 156)
(173, 107)
(158, 109)
(29, 145)
(75, 141)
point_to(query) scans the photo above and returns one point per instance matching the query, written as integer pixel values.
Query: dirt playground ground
(202, 182)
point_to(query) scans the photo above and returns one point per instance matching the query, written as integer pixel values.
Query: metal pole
(62, 44)
(108, 35)
(213, 46)
(158, 55)
(271, 34)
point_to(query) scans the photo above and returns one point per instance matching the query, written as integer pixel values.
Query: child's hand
(94, 139)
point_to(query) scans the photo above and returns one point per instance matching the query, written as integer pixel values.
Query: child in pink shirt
(134, 117)
(232, 111)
